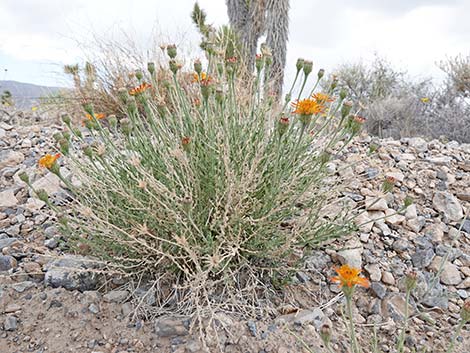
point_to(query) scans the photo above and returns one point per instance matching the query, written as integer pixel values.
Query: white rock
(10, 158)
(450, 274)
(364, 222)
(411, 212)
(396, 175)
(374, 272)
(393, 217)
(50, 183)
(8, 198)
(375, 204)
(449, 205)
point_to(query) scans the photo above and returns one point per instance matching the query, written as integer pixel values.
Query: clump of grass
(204, 182)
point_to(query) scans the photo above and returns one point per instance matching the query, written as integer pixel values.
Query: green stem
(352, 332)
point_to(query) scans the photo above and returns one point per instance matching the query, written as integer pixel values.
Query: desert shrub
(458, 74)
(209, 186)
(397, 106)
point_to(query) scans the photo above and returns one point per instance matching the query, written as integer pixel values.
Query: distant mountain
(27, 95)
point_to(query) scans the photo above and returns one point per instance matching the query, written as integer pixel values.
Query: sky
(37, 37)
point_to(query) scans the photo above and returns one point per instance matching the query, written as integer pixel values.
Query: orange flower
(308, 107)
(48, 160)
(140, 89)
(97, 116)
(322, 98)
(204, 79)
(349, 277)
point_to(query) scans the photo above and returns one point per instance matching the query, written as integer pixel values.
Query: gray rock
(422, 258)
(394, 306)
(72, 272)
(378, 289)
(116, 296)
(94, 309)
(440, 160)
(418, 144)
(252, 328)
(317, 261)
(171, 326)
(372, 173)
(449, 205)
(315, 317)
(7, 262)
(10, 323)
(466, 226)
(352, 257)
(51, 243)
(4, 243)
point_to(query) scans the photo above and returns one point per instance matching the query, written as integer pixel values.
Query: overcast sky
(38, 36)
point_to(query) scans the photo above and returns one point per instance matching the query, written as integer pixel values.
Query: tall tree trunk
(277, 29)
(247, 17)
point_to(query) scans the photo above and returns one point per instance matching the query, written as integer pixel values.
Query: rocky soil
(53, 301)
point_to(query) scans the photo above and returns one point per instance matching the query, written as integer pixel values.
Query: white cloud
(413, 34)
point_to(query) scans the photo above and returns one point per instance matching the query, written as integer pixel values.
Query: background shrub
(398, 106)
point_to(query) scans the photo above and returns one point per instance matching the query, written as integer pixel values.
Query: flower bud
(321, 73)
(465, 312)
(325, 334)
(259, 62)
(219, 95)
(411, 280)
(308, 66)
(66, 135)
(343, 93)
(173, 66)
(300, 64)
(89, 124)
(186, 143)
(334, 82)
(57, 136)
(42, 195)
(24, 177)
(66, 119)
(132, 106)
(88, 107)
(77, 132)
(197, 66)
(112, 121)
(139, 75)
(388, 184)
(345, 109)
(408, 201)
(171, 51)
(151, 67)
(126, 126)
(64, 146)
(283, 125)
(123, 95)
(88, 151)
(268, 59)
